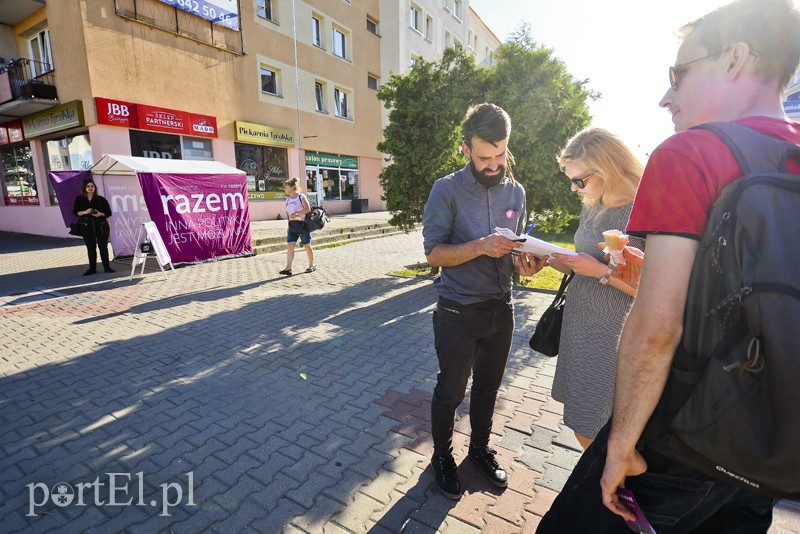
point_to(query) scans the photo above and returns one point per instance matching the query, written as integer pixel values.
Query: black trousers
(476, 340)
(97, 237)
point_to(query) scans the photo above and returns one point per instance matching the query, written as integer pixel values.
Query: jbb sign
(140, 116)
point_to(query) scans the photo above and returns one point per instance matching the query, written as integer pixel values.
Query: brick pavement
(272, 404)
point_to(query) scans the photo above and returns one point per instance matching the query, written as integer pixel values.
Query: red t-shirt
(685, 174)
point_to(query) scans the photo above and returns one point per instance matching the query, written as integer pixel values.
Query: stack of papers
(535, 246)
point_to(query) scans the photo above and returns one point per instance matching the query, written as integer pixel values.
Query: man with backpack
(702, 434)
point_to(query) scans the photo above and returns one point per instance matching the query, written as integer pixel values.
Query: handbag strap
(564, 283)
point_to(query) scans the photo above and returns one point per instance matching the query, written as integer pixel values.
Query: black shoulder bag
(548, 330)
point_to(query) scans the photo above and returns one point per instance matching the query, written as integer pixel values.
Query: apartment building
(277, 88)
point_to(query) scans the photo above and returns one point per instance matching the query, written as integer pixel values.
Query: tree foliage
(546, 104)
(422, 138)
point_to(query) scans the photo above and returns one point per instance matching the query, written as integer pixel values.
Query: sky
(623, 47)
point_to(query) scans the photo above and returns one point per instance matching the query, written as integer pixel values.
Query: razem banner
(199, 216)
(130, 212)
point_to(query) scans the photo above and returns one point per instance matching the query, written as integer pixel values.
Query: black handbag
(77, 228)
(547, 335)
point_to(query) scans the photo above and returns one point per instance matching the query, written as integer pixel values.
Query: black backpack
(730, 407)
(316, 219)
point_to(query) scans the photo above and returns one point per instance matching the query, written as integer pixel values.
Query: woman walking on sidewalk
(296, 208)
(94, 212)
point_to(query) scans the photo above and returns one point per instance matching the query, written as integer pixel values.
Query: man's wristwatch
(606, 277)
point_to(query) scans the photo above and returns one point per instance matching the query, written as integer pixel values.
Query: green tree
(547, 106)
(423, 136)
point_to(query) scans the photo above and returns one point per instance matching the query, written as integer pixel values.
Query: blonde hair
(608, 157)
(294, 183)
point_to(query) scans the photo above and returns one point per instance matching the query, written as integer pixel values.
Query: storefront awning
(128, 165)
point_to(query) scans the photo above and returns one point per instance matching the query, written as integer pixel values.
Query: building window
(372, 82)
(19, 181)
(155, 145)
(372, 26)
(342, 101)
(414, 59)
(266, 10)
(415, 20)
(339, 42)
(429, 28)
(447, 4)
(197, 148)
(457, 9)
(270, 81)
(448, 39)
(72, 153)
(266, 167)
(319, 96)
(316, 31)
(40, 52)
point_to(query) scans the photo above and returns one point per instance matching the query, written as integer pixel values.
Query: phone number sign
(222, 12)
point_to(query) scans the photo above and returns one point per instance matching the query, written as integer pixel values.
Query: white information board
(157, 244)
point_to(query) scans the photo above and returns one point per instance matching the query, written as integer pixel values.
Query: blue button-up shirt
(459, 209)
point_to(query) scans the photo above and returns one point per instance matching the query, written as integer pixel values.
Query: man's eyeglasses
(580, 183)
(676, 72)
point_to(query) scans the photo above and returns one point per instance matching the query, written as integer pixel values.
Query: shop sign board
(141, 116)
(222, 12)
(63, 117)
(11, 132)
(263, 135)
(331, 160)
(791, 107)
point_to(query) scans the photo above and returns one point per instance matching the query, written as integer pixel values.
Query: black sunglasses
(676, 72)
(581, 182)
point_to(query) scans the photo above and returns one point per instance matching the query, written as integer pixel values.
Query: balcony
(26, 86)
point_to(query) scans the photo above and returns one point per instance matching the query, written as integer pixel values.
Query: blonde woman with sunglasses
(605, 174)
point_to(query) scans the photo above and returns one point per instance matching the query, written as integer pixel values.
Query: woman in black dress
(94, 212)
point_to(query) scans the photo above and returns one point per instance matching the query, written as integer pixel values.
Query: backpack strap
(754, 151)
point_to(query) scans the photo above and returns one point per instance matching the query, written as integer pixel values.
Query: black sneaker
(109, 270)
(90, 272)
(485, 458)
(445, 476)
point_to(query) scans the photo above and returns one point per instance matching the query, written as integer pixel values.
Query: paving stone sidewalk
(231, 399)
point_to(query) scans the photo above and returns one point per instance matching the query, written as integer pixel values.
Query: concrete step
(265, 244)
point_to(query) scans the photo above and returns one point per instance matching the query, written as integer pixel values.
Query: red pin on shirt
(510, 214)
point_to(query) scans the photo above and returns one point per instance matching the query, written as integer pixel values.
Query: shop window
(415, 18)
(266, 166)
(319, 96)
(155, 145)
(197, 148)
(270, 81)
(372, 26)
(342, 101)
(73, 153)
(40, 52)
(266, 9)
(19, 181)
(316, 30)
(372, 82)
(336, 184)
(340, 38)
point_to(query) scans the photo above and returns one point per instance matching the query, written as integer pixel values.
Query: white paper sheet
(534, 246)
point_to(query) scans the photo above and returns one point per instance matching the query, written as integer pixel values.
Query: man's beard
(485, 180)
